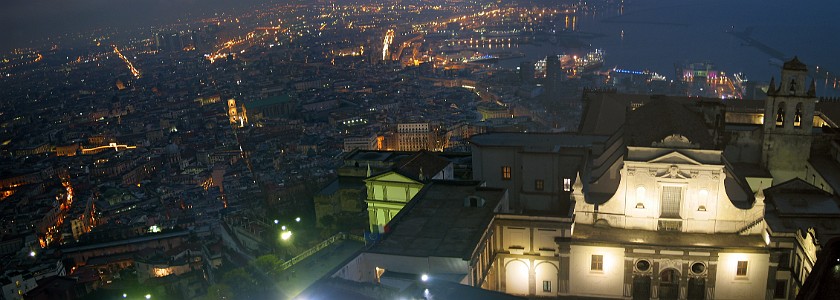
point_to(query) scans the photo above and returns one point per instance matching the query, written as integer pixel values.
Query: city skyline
(216, 149)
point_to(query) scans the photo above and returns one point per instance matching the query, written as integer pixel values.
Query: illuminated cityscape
(443, 149)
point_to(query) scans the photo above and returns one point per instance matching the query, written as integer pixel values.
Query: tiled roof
(661, 118)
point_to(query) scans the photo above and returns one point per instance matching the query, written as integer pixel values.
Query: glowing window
(567, 184)
(539, 184)
(379, 271)
(640, 193)
(742, 268)
(797, 117)
(506, 172)
(546, 286)
(597, 263)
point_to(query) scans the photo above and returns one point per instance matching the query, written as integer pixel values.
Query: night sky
(30, 19)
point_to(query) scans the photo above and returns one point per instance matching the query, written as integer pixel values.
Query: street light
(424, 277)
(32, 253)
(276, 221)
(148, 296)
(297, 219)
(285, 235)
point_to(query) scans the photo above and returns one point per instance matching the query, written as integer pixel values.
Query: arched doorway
(516, 278)
(696, 288)
(641, 288)
(669, 285)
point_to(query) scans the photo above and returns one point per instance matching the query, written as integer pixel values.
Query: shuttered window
(671, 199)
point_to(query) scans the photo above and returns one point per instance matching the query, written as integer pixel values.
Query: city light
(285, 235)
(319, 117)
(128, 63)
(386, 42)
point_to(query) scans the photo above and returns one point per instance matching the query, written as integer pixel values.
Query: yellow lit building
(388, 192)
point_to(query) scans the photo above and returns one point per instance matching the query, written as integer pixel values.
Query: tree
(218, 291)
(328, 221)
(240, 281)
(267, 264)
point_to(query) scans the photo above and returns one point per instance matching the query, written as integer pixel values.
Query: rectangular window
(781, 289)
(784, 261)
(597, 263)
(539, 184)
(671, 198)
(567, 184)
(742, 268)
(546, 286)
(506, 172)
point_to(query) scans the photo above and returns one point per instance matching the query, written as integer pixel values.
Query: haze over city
(442, 149)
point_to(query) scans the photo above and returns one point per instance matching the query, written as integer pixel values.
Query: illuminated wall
(752, 285)
(697, 179)
(517, 275)
(527, 276)
(585, 281)
(387, 195)
(364, 267)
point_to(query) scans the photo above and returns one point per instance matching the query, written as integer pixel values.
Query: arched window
(780, 115)
(797, 118)
(793, 86)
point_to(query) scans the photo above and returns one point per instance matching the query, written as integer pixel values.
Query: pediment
(675, 158)
(391, 177)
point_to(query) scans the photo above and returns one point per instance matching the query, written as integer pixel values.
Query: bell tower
(788, 122)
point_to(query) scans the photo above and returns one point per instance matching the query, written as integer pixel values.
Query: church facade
(671, 205)
(654, 198)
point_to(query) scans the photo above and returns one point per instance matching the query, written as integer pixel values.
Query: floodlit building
(655, 198)
(672, 204)
(362, 142)
(415, 137)
(390, 191)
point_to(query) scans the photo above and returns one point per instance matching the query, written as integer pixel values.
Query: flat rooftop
(590, 233)
(537, 141)
(798, 198)
(439, 224)
(371, 155)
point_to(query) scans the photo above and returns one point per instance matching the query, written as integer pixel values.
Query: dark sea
(656, 35)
